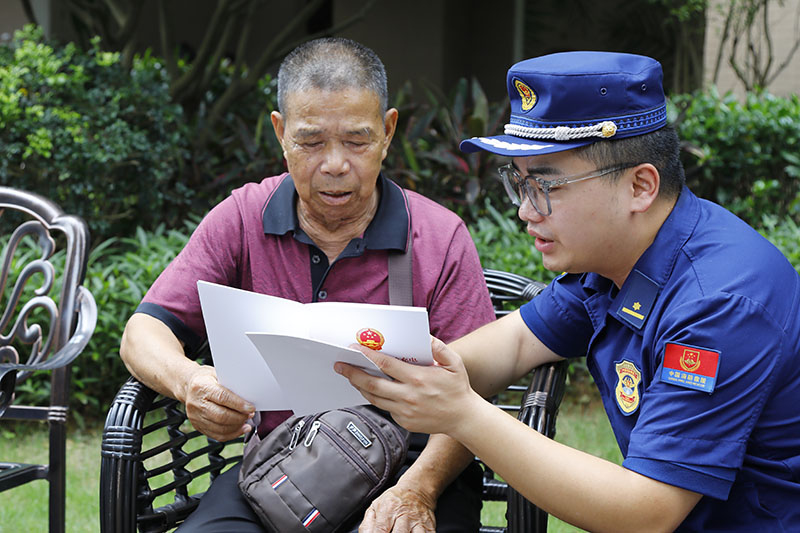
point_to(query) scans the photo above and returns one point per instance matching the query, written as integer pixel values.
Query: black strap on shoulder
(401, 290)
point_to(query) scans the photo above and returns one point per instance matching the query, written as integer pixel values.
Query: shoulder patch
(690, 366)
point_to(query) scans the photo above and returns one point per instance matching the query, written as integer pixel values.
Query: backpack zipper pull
(296, 434)
(311, 434)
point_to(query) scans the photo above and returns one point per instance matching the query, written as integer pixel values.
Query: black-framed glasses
(538, 189)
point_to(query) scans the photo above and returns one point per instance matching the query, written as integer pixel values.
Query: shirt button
(322, 294)
(315, 259)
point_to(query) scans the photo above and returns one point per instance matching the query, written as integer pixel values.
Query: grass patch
(25, 508)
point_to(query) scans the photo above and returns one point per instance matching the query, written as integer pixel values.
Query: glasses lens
(512, 184)
(537, 196)
(518, 187)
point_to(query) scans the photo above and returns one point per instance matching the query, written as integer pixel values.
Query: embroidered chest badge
(690, 367)
(627, 390)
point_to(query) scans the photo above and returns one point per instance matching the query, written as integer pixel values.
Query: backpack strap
(401, 288)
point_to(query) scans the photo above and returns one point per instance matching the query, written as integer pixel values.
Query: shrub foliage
(75, 127)
(746, 155)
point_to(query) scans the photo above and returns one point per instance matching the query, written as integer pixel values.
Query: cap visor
(511, 146)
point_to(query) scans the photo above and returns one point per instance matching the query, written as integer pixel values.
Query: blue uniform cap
(571, 99)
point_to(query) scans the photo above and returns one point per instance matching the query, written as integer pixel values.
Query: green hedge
(743, 155)
(77, 128)
(109, 144)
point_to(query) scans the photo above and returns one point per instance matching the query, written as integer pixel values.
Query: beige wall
(784, 24)
(12, 18)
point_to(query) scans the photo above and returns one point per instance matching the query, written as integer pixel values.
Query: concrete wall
(784, 24)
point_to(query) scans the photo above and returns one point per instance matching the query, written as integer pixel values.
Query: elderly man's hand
(214, 410)
(400, 510)
(425, 399)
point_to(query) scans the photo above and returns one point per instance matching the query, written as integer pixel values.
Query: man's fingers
(372, 524)
(442, 355)
(368, 523)
(214, 410)
(205, 388)
(386, 363)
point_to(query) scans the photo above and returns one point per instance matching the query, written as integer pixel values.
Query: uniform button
(315, 259)
(322, 294)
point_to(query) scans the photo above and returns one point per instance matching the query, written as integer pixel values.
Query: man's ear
(389, 127)
(645, 182)
(278, 125)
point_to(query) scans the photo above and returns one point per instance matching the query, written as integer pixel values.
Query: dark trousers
(223, 509)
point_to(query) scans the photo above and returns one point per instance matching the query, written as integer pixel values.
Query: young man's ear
(645, 182)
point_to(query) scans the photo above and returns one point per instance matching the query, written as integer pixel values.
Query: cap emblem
(527, 95)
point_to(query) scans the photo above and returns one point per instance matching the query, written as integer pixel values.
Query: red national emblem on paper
(371, 338)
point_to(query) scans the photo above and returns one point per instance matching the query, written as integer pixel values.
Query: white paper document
(279, 354)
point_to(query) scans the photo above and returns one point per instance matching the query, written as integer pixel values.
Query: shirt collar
(658, 261)
(634, 301)
(388, 229)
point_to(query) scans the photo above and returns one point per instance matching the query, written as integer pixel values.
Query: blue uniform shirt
(696, 359)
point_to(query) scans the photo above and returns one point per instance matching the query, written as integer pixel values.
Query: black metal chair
(155, 467)
(47, 320)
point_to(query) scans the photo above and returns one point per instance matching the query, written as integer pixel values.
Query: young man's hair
(661, 148)
(332, 64)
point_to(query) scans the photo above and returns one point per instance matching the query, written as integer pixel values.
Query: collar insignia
(636, 299)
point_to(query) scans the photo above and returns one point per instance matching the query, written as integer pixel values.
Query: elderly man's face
(334, 143)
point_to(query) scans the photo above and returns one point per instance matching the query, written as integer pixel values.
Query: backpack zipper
(381, 437)
(344, 446)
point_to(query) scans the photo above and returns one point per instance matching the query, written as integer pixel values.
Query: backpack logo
(359, 435)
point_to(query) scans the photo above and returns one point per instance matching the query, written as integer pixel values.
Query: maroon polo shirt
(252, 240)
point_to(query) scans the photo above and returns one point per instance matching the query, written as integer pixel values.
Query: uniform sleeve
(696, 439)
(558, 317)
(460, 302)
(212, 254)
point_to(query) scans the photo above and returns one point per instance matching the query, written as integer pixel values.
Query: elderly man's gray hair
(332, 64)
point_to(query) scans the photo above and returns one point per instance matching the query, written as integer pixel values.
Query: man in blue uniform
(688, 318)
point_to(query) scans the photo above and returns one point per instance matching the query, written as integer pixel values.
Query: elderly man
(323, 231)
(687, 317)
